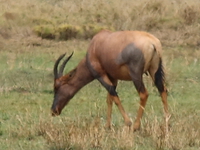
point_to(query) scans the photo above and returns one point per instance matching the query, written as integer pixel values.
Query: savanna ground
(26, 79)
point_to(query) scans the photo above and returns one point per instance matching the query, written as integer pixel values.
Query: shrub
(67, 31)
(45, 31)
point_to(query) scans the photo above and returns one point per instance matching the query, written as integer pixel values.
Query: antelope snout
(55, 111)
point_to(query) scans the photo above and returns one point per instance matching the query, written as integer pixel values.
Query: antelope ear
(68, 76)
(72, 73)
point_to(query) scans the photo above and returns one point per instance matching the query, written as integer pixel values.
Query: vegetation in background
(174, 22)
(67, 31)
(26, 79)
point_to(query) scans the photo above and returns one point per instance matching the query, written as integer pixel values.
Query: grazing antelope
(113, 56)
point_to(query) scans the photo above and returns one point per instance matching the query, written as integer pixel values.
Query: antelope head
(63, 85)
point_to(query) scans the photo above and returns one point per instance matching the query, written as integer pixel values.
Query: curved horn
(56, 75)
(62, 67)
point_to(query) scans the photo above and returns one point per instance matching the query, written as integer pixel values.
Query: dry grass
(78, 133)
(25, 58)
(161, 18)
(26, 93)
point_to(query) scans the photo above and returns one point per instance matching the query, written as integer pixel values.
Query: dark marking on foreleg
(99, 73)
(110, 88)
(105, 81)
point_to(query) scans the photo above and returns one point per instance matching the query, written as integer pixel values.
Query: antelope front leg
(121, 109)
(111, 88)
(110, 100)
(109, 111)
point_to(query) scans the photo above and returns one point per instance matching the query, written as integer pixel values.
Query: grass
(26, 93)
(84, 18)
(26, 79)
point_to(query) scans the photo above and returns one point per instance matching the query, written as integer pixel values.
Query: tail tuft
(160, 77)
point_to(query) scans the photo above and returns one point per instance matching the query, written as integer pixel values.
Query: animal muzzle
(55, 111)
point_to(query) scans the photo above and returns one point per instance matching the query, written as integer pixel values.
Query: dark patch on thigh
(131, 55)
(134, 58)
(139, 85)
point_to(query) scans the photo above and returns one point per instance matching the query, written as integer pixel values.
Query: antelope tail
(160, 77)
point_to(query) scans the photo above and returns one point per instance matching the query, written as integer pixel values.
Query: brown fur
(113, 56)
(107, 46)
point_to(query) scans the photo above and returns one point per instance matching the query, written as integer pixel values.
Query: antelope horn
(55, 70)
(62, 67)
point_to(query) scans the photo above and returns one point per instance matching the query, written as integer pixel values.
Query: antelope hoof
(136, 127)
(128, 123)
(108, 126)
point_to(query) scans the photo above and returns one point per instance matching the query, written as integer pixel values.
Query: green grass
(26, 79)
(26, 95)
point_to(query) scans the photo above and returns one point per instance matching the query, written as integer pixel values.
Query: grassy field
(26, 79)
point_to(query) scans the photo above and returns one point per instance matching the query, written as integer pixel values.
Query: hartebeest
(113, 56)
